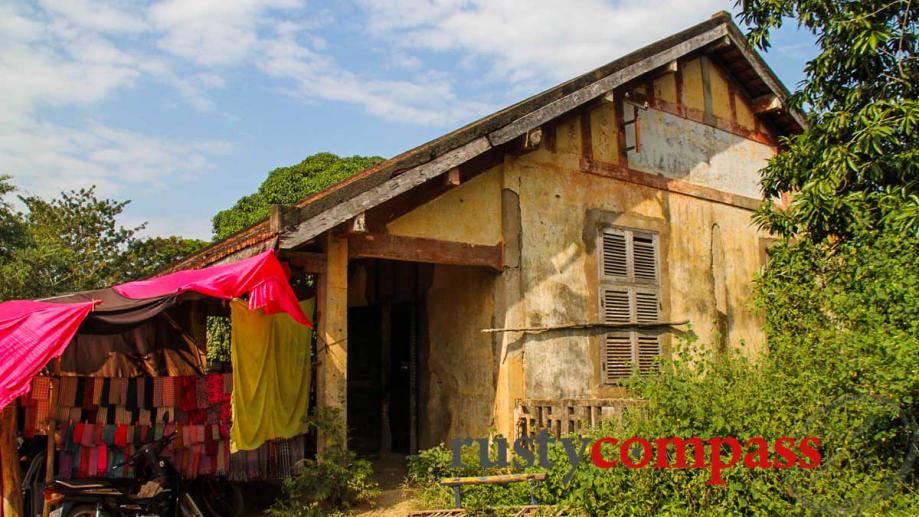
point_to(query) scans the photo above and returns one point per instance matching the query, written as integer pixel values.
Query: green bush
(218, 338)
(332, 483)
(843, 365)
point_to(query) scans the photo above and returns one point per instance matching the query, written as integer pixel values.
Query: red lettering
(596, 453)
(785, 452)
(679, 446)
(716, 464)
(625, 452)
(758, 459)
(809, 452)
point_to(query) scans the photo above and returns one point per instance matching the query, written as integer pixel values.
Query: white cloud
(427, 100)
(65, 53)
(98, 16)
(538, 39)
(213, 32)
(48, 158)
(190, 227)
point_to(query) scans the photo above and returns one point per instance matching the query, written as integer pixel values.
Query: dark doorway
(386, 330)
(398, 384)
(364, 379)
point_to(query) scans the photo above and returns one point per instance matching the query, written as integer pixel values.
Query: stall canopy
(32, 333)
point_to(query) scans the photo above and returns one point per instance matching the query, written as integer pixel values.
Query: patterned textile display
(92, 433)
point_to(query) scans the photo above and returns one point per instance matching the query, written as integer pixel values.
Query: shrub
(334, 482)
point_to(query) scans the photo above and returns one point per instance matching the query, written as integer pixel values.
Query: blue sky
(183, 106)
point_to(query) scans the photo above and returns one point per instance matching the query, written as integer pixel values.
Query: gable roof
(354, 195)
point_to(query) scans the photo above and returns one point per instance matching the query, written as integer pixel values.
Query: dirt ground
(394, 499)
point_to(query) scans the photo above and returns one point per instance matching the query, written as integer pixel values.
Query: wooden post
(332, 372)
(10, 477)
(49, 451)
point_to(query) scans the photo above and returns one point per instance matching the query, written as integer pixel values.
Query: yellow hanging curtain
(271, 375)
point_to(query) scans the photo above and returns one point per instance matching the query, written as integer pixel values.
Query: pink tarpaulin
(31, 334)
(262, 277)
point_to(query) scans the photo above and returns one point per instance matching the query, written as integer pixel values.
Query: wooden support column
(332, 371)
(10, 476)
(509, 307)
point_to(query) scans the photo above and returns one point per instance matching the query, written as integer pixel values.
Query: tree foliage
(74, 242)
(286, 185)
(856, 164)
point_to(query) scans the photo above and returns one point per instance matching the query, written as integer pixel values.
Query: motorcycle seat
(80, 484)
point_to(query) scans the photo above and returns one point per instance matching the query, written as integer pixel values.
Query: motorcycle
(158, 491)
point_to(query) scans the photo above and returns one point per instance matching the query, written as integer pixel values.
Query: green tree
(856, 164)
(286, 185)
(73, 242)
(12, 228)
(146, 257)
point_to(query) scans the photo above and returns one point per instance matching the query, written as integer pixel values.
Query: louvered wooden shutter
(644, 257)
(647, 309)
(631, 294)
(615, 254)
(617, 347)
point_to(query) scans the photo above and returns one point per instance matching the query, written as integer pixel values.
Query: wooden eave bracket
(767, 104)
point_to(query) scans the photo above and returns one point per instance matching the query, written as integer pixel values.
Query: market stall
(105, 371)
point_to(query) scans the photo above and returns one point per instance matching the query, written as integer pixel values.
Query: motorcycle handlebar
(161, 443)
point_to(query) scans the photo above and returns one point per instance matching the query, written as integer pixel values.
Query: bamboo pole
(588, 326)
(49, 451)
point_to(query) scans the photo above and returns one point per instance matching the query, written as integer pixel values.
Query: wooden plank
(282, 216)
(612, 170)
(763, 70)
(598, 88)
(766, 104)
(332, 334)
(360, 203)
(10, 476)
(453, 177)
(502, 479)
(308, 261)
(417, 249)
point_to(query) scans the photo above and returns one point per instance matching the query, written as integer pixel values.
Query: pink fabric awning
(31, 334)
(262, 277)
(34, 332)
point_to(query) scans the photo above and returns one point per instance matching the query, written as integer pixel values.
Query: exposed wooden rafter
(766, 104)
(360, 203)
(416, 249)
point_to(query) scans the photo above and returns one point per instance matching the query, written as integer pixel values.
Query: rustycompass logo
(714, 454)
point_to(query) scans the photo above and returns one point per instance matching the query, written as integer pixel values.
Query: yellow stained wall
(559, 270)
(460, 365)
(469, 213)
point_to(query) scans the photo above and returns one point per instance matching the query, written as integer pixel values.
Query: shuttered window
(630, 283)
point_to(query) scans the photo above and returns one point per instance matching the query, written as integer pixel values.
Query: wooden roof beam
(766, 104)
(417, 249)
(598, 88)
(310, 228)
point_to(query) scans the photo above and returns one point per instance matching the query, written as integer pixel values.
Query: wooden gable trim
(710, 120)
(623, 173)
(417, 249)
(312, 227)
(605, 85)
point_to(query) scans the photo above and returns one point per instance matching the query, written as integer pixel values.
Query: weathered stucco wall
(468, 213)
(710, 251)
(460, 392)
(679, 148)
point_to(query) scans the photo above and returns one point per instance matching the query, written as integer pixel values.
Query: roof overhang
(312, 216)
